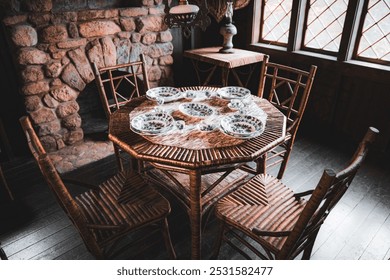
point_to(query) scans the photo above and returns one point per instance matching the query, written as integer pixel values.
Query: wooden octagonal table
(197, 167)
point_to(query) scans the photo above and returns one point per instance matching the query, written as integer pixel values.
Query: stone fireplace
(55, 42)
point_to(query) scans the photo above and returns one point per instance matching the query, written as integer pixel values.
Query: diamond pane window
(276, 20)
(375, 39)
(325, 24)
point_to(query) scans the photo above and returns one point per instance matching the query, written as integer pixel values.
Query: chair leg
(283, 165)
(167, 239)
(4, 182)
(218, 242)
(118, 158)
(261, 164)
(307, 252)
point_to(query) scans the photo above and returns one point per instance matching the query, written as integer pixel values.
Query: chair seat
(264, 203)
(125, 201)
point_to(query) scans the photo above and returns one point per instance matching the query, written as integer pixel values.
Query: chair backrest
(118, 84)
(57, 186)
(288, 89)
(325, 196)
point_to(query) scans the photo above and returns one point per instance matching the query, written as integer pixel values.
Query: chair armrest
(302, 194)
(270, 233)
(79, 183)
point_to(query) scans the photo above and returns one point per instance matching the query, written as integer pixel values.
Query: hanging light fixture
(186, 16)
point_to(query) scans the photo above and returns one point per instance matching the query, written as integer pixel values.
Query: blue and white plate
(167, 93)
(152, 123)
(233, 92)
(242, 126)
(198, 110)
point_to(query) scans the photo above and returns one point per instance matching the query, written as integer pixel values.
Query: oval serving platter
(233, 92)
(198, 110)
(242, 126)
(152, 123)
(167, 93)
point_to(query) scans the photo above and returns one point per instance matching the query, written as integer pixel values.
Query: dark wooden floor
(34, 227)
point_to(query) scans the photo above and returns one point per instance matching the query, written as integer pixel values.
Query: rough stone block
(24, 36)
(72, 122)
(154, 73)
(67, 108)
(71, 44)
(32, 73)
(35, 88)
(30, 55)
(82, 64)
(127, 24)
(133, 12)
(123, 50)
(73, 30)
(98, 28)
(109, 51)
(64, 93)
(49, 101)
(149, 24)
(95, 54)
(166, 60)
(136, 37)
(165, 36)
(71, 77)
(73, 136)
(53, 70)
(43, 115)
(90, 15)
(49, 128)
(149, 38)
(54, 34)
(32, 103)
(159, 50)
(49, 143)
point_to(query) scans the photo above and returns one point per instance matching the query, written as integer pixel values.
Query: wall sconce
(186, 16)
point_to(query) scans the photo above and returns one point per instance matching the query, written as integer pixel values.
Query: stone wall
(54, 51)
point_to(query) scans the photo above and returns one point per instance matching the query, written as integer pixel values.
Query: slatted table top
(212, 55)
(194, 149)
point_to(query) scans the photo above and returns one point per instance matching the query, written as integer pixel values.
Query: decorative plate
(242, 126)
(152, 123)
(207, 127)
(196, 109)
(167, 93)
(233, 92)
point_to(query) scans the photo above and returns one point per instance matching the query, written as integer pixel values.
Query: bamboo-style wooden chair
(117, 85)
(273, 222)
(288, 89)
(104, 214)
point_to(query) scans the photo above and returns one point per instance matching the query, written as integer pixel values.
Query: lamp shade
(184, 9)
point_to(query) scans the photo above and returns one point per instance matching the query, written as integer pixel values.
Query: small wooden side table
(227, 62)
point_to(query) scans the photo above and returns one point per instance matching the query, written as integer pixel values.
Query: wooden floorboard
(35, 227)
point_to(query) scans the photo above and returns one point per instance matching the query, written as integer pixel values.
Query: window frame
(350, 37)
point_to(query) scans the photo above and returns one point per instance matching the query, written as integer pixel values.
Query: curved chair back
(120, 83)
(61, 192)
(325, 196)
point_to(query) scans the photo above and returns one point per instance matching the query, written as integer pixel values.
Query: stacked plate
(152, 123)
(242, 126)
(167, 93)
(233, 92)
